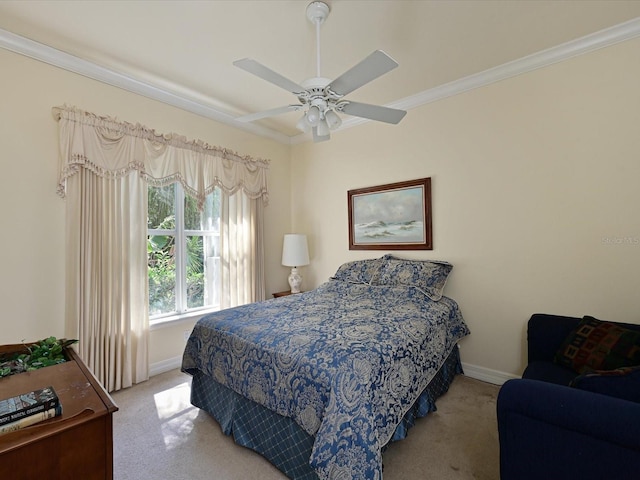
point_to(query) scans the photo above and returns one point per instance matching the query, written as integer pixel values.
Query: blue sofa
(557, 424)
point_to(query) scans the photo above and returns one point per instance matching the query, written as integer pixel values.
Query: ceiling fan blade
(268, 113)
(374, 112)
(319, 138)
(376, 64)
(269, 75)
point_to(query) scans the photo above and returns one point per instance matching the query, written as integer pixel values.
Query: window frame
(180, 233)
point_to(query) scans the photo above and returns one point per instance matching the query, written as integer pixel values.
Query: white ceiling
(186, 48)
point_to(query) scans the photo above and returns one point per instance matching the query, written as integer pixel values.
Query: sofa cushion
(620, 383)
(599, 345)
(548, 372)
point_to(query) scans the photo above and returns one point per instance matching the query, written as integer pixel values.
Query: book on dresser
(28, 408)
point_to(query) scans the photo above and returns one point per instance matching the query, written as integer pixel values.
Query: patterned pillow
(428, 276)
(598, 345)
(358, 271)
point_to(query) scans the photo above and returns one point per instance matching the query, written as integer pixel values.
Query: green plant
(44, 353)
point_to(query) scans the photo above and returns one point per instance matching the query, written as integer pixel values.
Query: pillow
(598, 345)
(426, 275)
(358, 271)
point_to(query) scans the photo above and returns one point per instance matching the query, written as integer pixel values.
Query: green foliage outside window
(162, 272)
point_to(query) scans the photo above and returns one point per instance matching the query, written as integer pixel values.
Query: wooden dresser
(76, 445)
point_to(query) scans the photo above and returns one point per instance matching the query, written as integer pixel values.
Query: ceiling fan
(322, 98)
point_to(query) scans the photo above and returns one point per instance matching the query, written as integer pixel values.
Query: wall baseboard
(486, 374)
(165, 366)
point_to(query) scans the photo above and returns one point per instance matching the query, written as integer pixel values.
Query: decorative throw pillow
(598, 345)
(358, 271)
(428, 276)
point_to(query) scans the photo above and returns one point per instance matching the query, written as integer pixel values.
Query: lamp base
(295, 280)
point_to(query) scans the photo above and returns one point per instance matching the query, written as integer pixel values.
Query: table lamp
(295, 254)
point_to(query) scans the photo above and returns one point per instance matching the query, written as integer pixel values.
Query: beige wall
(530, 177)
(32, 242)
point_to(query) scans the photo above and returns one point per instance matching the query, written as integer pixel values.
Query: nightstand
(283, 294)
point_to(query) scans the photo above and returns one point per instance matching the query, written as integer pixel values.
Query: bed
(320, 382)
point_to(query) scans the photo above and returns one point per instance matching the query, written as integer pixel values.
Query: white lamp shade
(313, 116)
(294, 250)
(333, 120)
(323, 128)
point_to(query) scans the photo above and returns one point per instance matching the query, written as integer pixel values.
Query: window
(183, 245)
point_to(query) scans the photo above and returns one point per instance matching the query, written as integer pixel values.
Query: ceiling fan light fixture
(333, 120)
(313, 116)
(323, 128)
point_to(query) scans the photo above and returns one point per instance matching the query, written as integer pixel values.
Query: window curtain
(104, 168)
(241, 248)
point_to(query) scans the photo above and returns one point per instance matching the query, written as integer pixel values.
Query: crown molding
(38, 51)
(544, 58)
(57, 58)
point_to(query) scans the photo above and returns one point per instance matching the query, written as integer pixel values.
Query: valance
(112, 149)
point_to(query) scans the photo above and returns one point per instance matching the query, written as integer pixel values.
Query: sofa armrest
(545, 334)
(552, 431)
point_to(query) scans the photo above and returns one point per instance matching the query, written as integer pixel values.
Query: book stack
(28, 408)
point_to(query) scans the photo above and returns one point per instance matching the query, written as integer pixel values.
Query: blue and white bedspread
(345, 361)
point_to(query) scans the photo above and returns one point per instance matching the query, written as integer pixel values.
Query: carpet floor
(159, 435)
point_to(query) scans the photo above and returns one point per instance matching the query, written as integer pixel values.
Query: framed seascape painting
(396, 216)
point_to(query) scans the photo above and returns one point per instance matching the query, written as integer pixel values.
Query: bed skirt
(279, 439)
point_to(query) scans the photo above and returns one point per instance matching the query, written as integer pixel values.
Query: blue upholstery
(625, 386)
(549, 372)
(548, 429)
